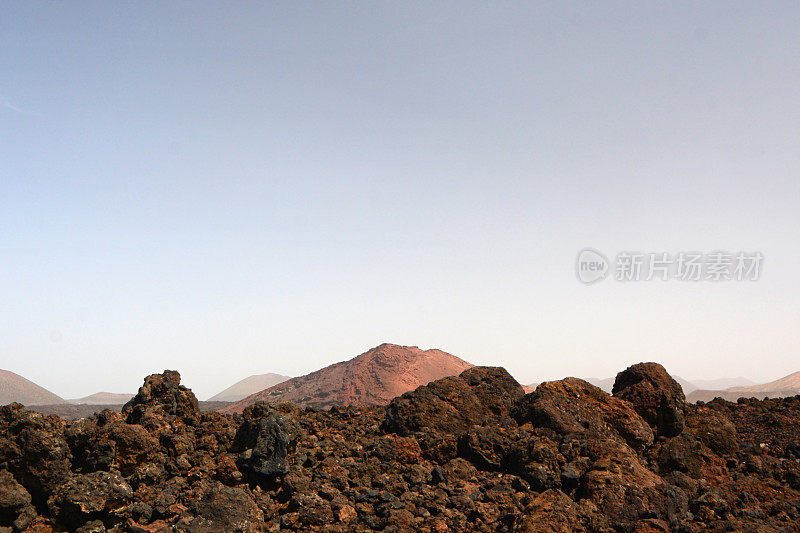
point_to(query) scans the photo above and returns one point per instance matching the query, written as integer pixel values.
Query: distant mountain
(723, 383)
(244, 388)
(786, 386)
(608, 383)
(788, 383)
(102, 398)
(372, 378)
(687, 386)
(15, 388)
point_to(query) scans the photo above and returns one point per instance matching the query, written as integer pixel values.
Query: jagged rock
(488, 447)
(263, 441)
(495, 388)
(657, 397)
(83, 496)
(312, 509)
(404, 450)
(95, 526)
(106, 442)
(32, 447)
(552, 511)
(15, 503)
(454, 404)
(621, 486)
(162, 395)
(572, 405)
(226, 508)
(687, 454)
(713, 429)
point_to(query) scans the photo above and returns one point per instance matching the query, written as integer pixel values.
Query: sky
(235, 189)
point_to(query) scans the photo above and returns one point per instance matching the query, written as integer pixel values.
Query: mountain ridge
(247, 386)
(371, 378)
(15, 388)
(102, 398)
(782, 387)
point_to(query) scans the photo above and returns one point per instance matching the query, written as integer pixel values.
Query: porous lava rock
(263, 440)
(84, 496)
(574, 406)
(15, 502)
(160, 396)
(657, 397)
(477, 396)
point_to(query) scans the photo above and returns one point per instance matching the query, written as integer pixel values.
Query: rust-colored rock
(162, 395)
(572, 405)
(452, 405)
(655, 395)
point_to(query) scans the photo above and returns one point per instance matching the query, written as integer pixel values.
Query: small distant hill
(15, 388)
(372, 378)
(103, 398)
(250, 385)
(723, 383)
(786, 386)
(608, 383)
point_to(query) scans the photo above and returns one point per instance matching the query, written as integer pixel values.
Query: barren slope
(15, 388)
(103, 398)
(780, 388)
(250, 385)
(372, 378)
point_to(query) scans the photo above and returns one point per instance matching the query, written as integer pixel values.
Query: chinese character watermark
(592, 266)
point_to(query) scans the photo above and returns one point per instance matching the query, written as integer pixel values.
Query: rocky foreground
(464, 453)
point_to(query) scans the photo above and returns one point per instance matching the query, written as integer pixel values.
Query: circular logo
(591, 266)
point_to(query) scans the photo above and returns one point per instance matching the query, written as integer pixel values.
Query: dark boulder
(657, 397)
(572, 405)
(713, 429)
(263, 441)
(33, 448)
(495, 388)
(221, 508)
(478, 396)
(15, 503)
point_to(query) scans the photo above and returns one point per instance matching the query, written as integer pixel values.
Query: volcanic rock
(84, 496)
(221, 508)
(454, 404)
(162, 395)
(572, 405)
(655, 395)
(15, 503)
(713, 429)
(263, 441)
(33, 449)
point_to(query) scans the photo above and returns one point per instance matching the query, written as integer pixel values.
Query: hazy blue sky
(238, 188)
